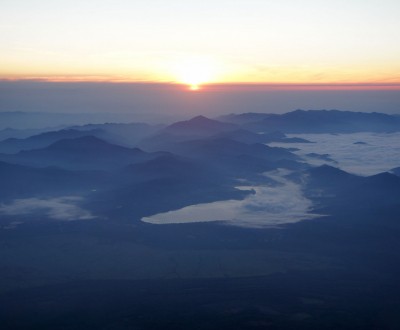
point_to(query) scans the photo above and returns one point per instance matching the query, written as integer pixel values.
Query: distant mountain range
(83, 153)
(317, 121)
(187, 162)
(13, 145)
(201, 127)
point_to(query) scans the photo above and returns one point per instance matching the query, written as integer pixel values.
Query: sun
(195, 72)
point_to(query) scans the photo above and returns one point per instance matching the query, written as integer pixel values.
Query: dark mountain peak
(200, 118)
(199, 125)
(331, 178)
(327, 170)
(385, 178)
(195, 120)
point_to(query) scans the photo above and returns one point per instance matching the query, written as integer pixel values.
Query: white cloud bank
(378, 152)
(268, 207)
(60, 208)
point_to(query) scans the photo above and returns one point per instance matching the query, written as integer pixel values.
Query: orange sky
(332, 44)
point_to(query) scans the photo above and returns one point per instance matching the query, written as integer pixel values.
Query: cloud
(378, 153)
(268, 207)
(60, 208)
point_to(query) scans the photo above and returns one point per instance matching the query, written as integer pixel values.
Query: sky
(196, 42)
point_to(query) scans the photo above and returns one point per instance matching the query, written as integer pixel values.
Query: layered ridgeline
(234, 199)
(316, 121)
(187, 162)
(122, 134)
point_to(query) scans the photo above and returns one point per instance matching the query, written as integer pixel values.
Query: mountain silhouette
(325, 121)
(199, 125)
(44, 139)
(87, 152)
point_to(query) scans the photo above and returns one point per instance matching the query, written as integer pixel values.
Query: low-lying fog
(269, 206)
(357, 153)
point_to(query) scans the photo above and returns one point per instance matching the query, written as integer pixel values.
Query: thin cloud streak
(61, 208)
(254, 86)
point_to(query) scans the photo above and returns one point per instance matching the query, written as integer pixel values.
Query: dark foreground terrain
(309, 275)
(294, 300)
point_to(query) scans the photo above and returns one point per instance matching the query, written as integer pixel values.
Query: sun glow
(195, 72)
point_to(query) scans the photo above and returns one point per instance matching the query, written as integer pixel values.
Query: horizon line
(215, 85)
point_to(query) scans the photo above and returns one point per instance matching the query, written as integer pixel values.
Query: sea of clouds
(357, 153)
(269, 206)
(273, 206)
